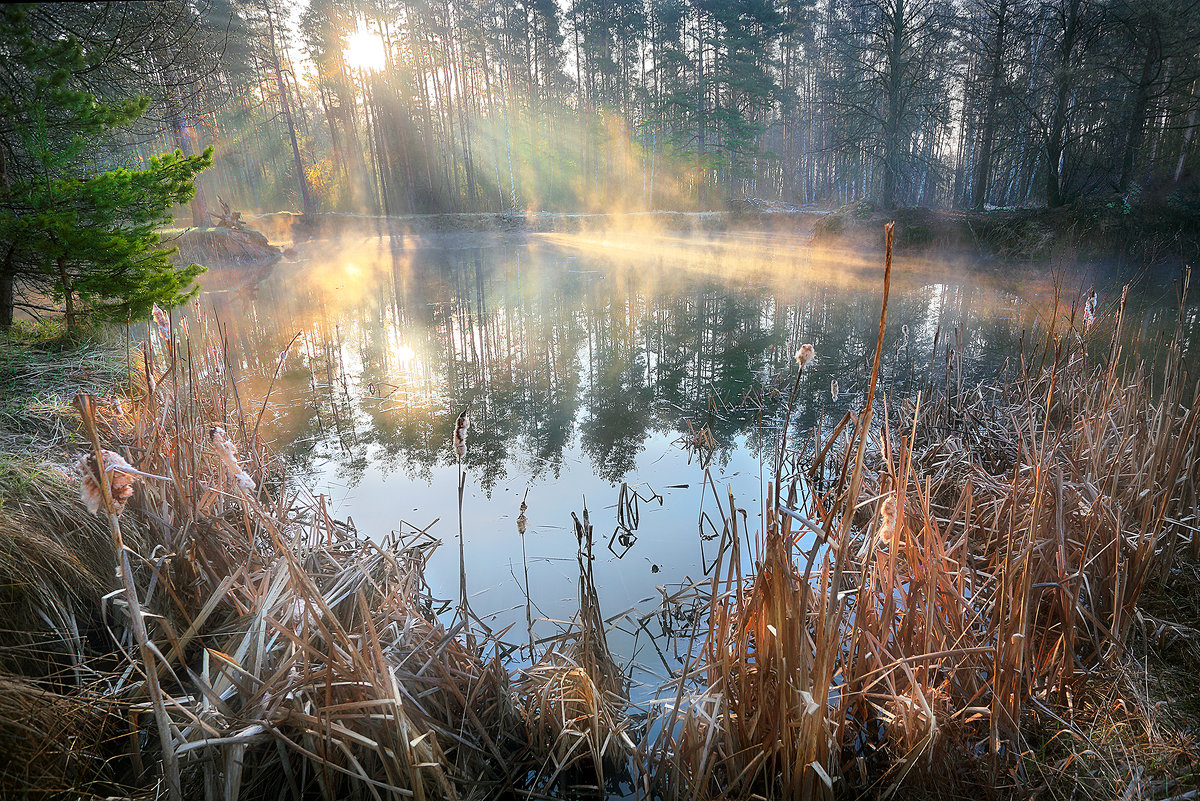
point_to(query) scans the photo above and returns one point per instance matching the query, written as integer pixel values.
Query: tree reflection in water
(583, 363)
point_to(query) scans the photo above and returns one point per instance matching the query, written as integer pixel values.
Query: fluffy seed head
(1089, 310)
(805, 355)
(460, 434)
(885, 530)
(162, 322)
(227, 451)
(120, 482)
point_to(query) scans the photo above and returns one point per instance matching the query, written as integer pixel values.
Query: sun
(364, 50)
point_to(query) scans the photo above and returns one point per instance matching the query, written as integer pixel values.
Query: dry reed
(921, 587)
(1010, 531)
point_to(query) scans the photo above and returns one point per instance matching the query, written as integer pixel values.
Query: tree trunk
(983, 166)
(700, 107)
(1137, 119)
(339, 158)
(7, 298)
(183, 141)
(1187, 141)
(68, 300)
(301, 178)
(895, 106)
(1056, 135)
(8, 279)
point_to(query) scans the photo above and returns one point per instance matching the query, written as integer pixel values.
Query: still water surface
(588, 361)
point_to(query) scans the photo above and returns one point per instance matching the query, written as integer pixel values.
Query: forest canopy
(414, 106)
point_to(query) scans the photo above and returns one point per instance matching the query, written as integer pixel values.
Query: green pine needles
(72, 232)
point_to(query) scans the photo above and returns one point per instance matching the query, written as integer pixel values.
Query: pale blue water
(583, 360)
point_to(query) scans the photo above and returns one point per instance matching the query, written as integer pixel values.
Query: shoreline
(1154, 233)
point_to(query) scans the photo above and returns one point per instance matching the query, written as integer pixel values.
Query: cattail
(301, 615)
(805, 355)
(1089, 310)
(521, 520)
(460, 435)
(833, 390)
(121, 478)
(228, 453)
(163, 322)
(904, 331)
(887, 520)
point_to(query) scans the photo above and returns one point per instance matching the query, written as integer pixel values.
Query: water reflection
(585, 363)
(543, 343)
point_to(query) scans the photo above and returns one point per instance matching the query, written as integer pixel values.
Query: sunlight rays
(365, 51)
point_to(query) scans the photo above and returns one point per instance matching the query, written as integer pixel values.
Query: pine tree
(88, 239)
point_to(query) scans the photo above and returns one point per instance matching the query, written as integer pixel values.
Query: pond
(590, 361)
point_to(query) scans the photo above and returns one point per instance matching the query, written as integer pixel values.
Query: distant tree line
(495, 105)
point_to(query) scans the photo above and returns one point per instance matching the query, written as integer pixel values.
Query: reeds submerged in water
(1014, 528)
(977, 555)
(575, 697)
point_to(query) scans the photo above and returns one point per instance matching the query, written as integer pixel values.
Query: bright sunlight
(364, 50)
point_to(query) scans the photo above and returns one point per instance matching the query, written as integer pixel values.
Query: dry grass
(272, 649)
(989, 588)
(934, 615)
(575, 696)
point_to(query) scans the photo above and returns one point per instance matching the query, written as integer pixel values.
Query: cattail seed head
(833, 390)
(162, 322)
(120, 482)
(1089, 310)
(460, 434)
(805, 355)
(227, 451)
(886, 524)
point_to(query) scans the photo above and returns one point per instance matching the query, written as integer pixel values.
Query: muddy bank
(288, 226)
(1149, 233)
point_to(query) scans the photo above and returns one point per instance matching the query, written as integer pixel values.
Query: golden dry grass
(993, 586)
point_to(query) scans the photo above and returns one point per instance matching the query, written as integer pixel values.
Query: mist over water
(590, 360)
